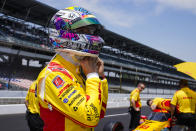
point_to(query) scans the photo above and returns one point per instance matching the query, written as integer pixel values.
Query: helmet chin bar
(87, 43)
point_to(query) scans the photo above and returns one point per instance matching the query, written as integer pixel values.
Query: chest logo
(58, 81)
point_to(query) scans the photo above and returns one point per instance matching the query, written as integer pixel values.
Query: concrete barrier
(12, 109)
(12, 100)
(7, 93)
(15, 105)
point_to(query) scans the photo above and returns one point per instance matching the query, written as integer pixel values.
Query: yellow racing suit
(67, 101)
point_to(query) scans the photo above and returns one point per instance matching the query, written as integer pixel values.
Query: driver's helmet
(74, 29)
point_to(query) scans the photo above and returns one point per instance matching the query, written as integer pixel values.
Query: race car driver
(159, 103)
(33, 118)
(72, 89)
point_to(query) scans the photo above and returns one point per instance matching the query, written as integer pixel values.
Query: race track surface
(17, 122)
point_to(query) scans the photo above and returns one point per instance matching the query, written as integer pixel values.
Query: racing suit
(67, 101)
(34, 121)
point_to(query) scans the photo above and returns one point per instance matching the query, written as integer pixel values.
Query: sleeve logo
(58, 81)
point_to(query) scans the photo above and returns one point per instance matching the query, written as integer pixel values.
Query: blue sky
(166, 25)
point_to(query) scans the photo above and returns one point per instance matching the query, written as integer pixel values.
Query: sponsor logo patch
(58, 81)
(89, 118)
(72, 93)
(65, 100)
(75, 108)
(74, 99)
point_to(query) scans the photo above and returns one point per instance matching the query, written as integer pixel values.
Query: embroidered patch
(72, 93)
(65, 100)
(58, 81)
(75, 108)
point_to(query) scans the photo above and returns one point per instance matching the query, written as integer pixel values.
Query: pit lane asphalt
(17, 122)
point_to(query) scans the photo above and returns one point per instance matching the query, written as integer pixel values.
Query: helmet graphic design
(75, 29)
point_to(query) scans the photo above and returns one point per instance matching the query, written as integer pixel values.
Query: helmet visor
(85, 22)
